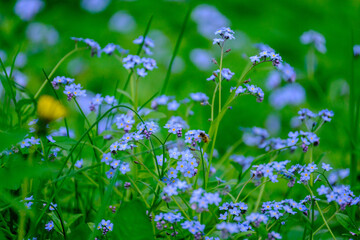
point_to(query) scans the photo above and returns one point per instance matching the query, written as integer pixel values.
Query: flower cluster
(109, 49)
(131, 61)
(174, 185)
(325, 114)
(245, 162)
(314, 38)
(172, 104)
(260, 137)
(200, 97)
(276, 210)
(195, 136)
(166, 221)
(194, 227)
(147, 44)
(74, 90)
(266, 56)
(225, 33)
(28, 142)
(186, 163)
(28, 202)
(228, 228)
(98, 100)
(201, 200)
(340, 194)
(105, 226)
(225, 74)
(271, 170)
(175, 125)
(249, 89)
(61, 80)
(125, 121)
(123, 167)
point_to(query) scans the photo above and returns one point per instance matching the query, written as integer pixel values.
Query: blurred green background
(276, 23)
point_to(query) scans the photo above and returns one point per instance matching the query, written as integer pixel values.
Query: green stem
(56, 67)
(220, 77)
(321, 213)
(237, 198)
(330, 218)
(138, 190)
(259, 197)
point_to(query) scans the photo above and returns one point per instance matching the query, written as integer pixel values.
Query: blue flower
(323, 190)
(160, 159)
(170, 190)
(314, 38)
(130, 61)
(199, 97)
(356, 50)
(227, 74)
(79, 163)
(305, 176)
(326, 167)
(124, 168)
(313, 138)
(326, 115)
(29, 203)
(225, 33)
(223, 216)
(255, 59)
(148, 63)
(110, 173)
(173, 105)
(218, 40)
(172, 173)
(148, 43)
(311, 167)
(106, 158)
(49, 226)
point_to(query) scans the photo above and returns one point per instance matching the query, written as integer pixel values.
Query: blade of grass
(176, 49)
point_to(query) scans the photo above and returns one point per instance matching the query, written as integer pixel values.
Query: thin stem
(259, 198)
(321, 213)
(138, 190)
(242, 200)
(56, 67)
(181, 209)
(237, 198)
(220, 77)
(213, 102)
(330, 218)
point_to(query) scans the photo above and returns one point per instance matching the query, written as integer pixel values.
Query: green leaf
(12, 137)
(81, 232)
(126, 94)
(154, 115)
(72, 219)
(57, 222)
(320, 158)
(346, 222)
(238, 167)
(64, 142)
(132, 223)
(242, 234)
